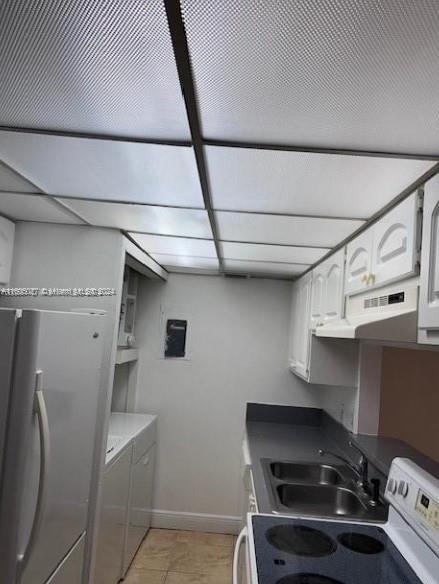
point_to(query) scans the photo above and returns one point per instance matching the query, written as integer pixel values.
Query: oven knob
(403, 488)
(392, 486)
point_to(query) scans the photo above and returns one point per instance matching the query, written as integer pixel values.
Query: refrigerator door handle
(40, 411)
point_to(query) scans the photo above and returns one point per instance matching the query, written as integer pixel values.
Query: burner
(301, 540)
(358, 542)
(307, 579)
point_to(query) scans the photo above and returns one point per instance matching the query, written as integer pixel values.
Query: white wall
(238, 333)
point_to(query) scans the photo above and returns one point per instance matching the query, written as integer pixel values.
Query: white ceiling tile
(157, 220)
(272, 253)
(307, 183)
(294, 231)
(180, 261)
(12, 182)
(104, 67)
(35, 208)
(345, 74)
(105, 169)
(160, 244)
(268, 268)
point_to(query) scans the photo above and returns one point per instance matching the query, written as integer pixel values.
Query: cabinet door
(302, 318)
(394, 252)
(113, 520)
(293, 329)
(429, 288)
(358, 262)
(142, 478)
(333, 290)
(318, 295)
(7, 230)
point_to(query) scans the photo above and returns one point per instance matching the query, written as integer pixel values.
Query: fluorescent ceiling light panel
(186, 261)
(35, 208)
(305, 183)
(343, 74)
(99, 67)
(272, 253)
(11, 181)
(268, 268)
(294, 231)
(159, 220)
(175, 245)
(103, 169)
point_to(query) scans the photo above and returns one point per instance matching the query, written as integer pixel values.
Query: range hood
(389, 314)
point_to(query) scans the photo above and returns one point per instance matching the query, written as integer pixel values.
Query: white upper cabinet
(358, 262)
(327, 290)
(316, 360)
(318, 295)
(387, 251)
(429, 289)
(300, 326)
(7, 230)
(334, 278)
(395, 243)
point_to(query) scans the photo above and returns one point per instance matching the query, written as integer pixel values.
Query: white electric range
(299, 550)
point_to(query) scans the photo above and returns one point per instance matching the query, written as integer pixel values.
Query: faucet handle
(357, 448)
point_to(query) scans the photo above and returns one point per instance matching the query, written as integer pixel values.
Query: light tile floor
(183, 557)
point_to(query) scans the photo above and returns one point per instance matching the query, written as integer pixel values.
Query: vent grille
(379, 301)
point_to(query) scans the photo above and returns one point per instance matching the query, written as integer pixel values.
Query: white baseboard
(195, 521)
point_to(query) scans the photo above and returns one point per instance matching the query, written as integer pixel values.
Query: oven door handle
(240, 540)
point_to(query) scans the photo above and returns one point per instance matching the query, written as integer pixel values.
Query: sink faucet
(360, 469)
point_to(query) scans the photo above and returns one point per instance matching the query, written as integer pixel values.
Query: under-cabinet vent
(378, 301)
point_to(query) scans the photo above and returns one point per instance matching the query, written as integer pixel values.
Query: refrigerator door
(70, 571)
(16, 438)
(8, 325)
(68, 353)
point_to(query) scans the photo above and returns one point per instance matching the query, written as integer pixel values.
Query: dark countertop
(295, 433)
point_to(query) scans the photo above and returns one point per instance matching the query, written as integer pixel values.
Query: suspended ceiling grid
(245, 138)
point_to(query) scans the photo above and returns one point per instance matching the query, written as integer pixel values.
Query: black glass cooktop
(296, 551)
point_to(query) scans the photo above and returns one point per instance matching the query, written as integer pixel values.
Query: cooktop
(300, 551)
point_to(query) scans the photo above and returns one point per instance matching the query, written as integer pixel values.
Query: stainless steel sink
(321, 500)
(296, 472)
(319, 490)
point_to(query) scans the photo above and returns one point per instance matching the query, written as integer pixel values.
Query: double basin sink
(321, 490)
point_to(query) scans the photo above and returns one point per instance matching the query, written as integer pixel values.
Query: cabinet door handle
(365, 278)
(371, 279)
(146, 461)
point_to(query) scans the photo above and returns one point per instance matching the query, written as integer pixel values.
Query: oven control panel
(428, 508)
(415, 494)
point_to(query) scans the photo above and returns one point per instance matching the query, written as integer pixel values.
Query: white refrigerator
(50, 375)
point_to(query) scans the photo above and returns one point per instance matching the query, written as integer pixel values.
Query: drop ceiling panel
(158, 220)
(102, 169)
(307, 183)
(345, 74)
(35, 208)
(159, 244)
(98, 67)
(12, 181)
(179, 261)
(294, 231)
(272, 253)
(268, 268)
